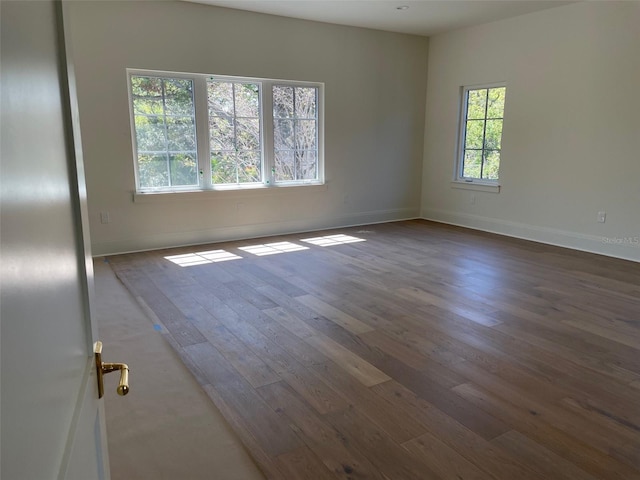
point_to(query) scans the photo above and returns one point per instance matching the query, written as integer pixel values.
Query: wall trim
(561, 238)
(226, 193)
(249, 231)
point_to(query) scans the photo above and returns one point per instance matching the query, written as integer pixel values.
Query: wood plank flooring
(408, 350)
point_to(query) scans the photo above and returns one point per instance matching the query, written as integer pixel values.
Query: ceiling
(423, 17)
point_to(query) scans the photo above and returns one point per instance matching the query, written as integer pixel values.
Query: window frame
(134, 139)
(207, 174)
(295, 120)
(267, 153)
(459, 179)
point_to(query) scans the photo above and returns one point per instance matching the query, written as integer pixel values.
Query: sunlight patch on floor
(202, 258)
(273, 248)
(330, 240)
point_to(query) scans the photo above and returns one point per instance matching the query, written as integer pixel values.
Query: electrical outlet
(104, 217)
(473, 199)
(602, 216)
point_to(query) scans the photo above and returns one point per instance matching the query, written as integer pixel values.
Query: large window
(202, 132)
(482, 117)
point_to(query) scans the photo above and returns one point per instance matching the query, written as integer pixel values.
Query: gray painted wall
(374, 119)
(570, 140)
(569, 145)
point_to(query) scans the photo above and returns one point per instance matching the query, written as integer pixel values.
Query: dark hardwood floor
(421, 351)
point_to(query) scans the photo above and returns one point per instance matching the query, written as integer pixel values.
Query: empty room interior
(368, 239)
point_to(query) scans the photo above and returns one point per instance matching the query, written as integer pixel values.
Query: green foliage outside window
(165, 131)
(484, 117)
(169, 156)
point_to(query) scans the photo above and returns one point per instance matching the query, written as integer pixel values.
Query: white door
(52, 421)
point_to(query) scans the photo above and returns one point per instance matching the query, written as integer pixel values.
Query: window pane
(307, 165)
(305, 134)
(234, 129)
(472, 163)
(282, 102)
(152, 171)
(495, 108)
(283, 135)
(247, 134)
(483, 133)
(493, 135)
(285, 166)
(476, 103)
(150, 134)
(146, 93)
(249, 169)
(181, 132)
(165, 130)
(220, 97)
(305, 102)
(295, 141)
(491, 164)
(184, 169)
(247, 100)
(178, 96)
(223, 167)
(221, 133)
(474, 133)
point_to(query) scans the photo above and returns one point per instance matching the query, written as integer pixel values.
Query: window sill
(480, 187)
(199, 195)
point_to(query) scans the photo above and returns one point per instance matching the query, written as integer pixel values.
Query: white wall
(374, 118)
(571, 140)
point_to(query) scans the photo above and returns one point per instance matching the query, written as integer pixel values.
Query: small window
(482, 117)
(201, 132)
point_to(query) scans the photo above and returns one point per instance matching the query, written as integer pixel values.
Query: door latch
(103, 368)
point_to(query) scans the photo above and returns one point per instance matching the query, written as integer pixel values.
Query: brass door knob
(103, 368)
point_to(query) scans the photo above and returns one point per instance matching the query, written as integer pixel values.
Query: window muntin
(229, 135)
(165, 132)
(295, 127)
(481, 133)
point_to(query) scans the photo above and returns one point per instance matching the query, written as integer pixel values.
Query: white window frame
(202, 132)
(460, 181)
(134, 141)
(207, 173)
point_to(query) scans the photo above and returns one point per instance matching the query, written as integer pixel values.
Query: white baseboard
(243, 232)
(624, 248)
